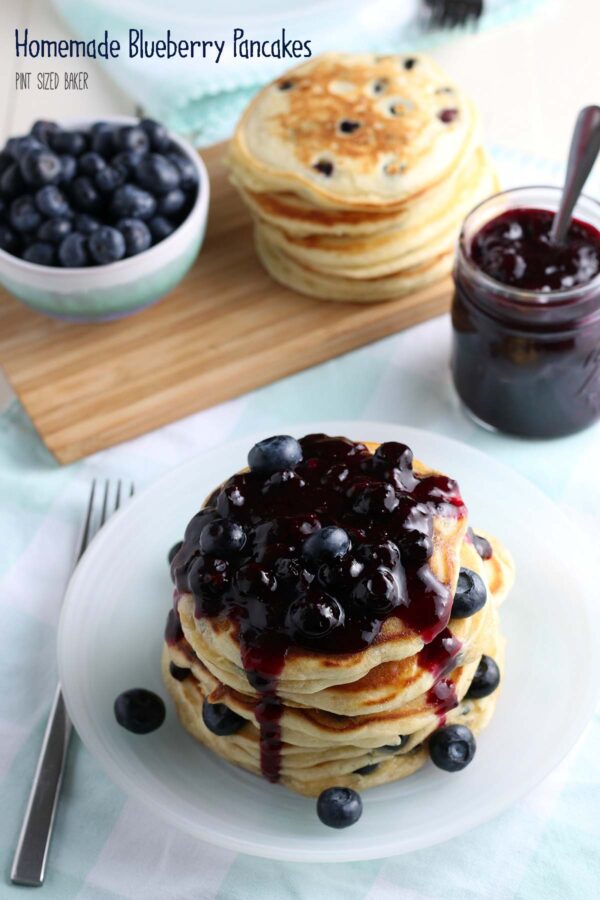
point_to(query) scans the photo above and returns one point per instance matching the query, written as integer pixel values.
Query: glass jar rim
(521, 295)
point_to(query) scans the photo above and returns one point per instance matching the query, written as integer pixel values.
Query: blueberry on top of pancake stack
(331, 610)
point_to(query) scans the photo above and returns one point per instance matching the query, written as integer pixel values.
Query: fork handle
(29, 864)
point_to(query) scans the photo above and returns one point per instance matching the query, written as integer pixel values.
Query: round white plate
(110, 639)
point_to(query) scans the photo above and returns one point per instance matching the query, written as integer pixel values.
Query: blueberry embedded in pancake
(315, 609)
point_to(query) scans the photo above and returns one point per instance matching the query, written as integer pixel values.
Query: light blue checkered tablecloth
(107, 846)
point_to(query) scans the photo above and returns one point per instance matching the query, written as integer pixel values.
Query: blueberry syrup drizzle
(278, 601)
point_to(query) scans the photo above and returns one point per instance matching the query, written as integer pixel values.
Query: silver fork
(29, 863)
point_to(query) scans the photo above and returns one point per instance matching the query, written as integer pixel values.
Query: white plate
(111, 633)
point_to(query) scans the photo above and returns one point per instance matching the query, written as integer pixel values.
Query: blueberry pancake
(358, 170)
(332, 611)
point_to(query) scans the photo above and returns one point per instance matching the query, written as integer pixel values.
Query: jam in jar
(526, 315)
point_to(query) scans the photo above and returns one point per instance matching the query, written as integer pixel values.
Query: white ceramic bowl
(98, 293)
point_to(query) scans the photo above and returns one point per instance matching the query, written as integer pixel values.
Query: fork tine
(131, 489)
(85, 536)
(104, 503)
(118, 495)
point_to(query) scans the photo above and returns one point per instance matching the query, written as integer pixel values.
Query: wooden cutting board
(227, 328)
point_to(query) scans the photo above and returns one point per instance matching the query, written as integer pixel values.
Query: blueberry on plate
(72, 251)
(222, 537)
(136, 234)
(160, 228)
(339, 807)
(54, 230)
(158, 134)
(139, 710)
(325, 545)
(274, 454)
(51, 201)
(84, 195)
(221, 720)
(11, 182)
(24, 214)
(91, 163)
(171, 202)
(157, 174)
(41, 130)
(109, 179)
(188, 176)
(470, 595)
(174, 551)
(68, 168)
(8, 239)
(40, 167)
(314, 616)
(85, 224)
(452, 747)
(486, 679)
(72, 142)
(106, 245)
(132, 137)
(41, 253)
(132, 201)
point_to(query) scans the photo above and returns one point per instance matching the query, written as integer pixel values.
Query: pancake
(339, 705)
(358, 171)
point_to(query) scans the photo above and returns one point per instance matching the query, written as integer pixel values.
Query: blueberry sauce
(515, 249)
(281, 597)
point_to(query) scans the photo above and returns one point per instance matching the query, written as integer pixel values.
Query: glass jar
(525, 362)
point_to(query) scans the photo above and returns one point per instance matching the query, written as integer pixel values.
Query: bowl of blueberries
(99, 219)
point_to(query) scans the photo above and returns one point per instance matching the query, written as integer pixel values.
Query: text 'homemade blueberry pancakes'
(333, 608)
(358, 171)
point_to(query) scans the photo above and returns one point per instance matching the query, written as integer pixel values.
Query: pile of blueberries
(87, 198)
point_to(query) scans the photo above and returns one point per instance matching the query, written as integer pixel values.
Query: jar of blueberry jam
(526, 315)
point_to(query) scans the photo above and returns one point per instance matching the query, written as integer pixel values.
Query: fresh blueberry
(68, 168)
(339, 807)
(452, 747)
(8, 239)
(72, 142)
(41, 130)
(160, 228)
(470, 594)
(40, 167)
(54, 230)
(188, 176)
(481, 544)
(222, 537)
(51, 201)
(179, 673)
(11, 181)
(102, 139)
(486, 679)
(5, 161)
(24, 214)
(139, 710)
(84, 195)
(274, 454)
(132, 137)
(18, 146)
(366, 770)
(393, 748)
(157, 174)
(159, 137)
(326, 545)
(314, 616)
(174, 551)
(378, 592)
(126, 161)
(86, 224)
(137, 235)
(106, 245)
(221, 720)
(72, 252)
(109, 179)
(132, 201)
(41, 253)
(91, 163)
(171, 202)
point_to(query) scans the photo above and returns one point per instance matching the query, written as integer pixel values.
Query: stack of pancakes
(358, 171)
(350, 719)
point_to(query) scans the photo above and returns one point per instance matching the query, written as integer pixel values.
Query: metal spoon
(585, 146)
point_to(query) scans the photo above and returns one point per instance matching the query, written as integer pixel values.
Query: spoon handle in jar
(585, 146)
